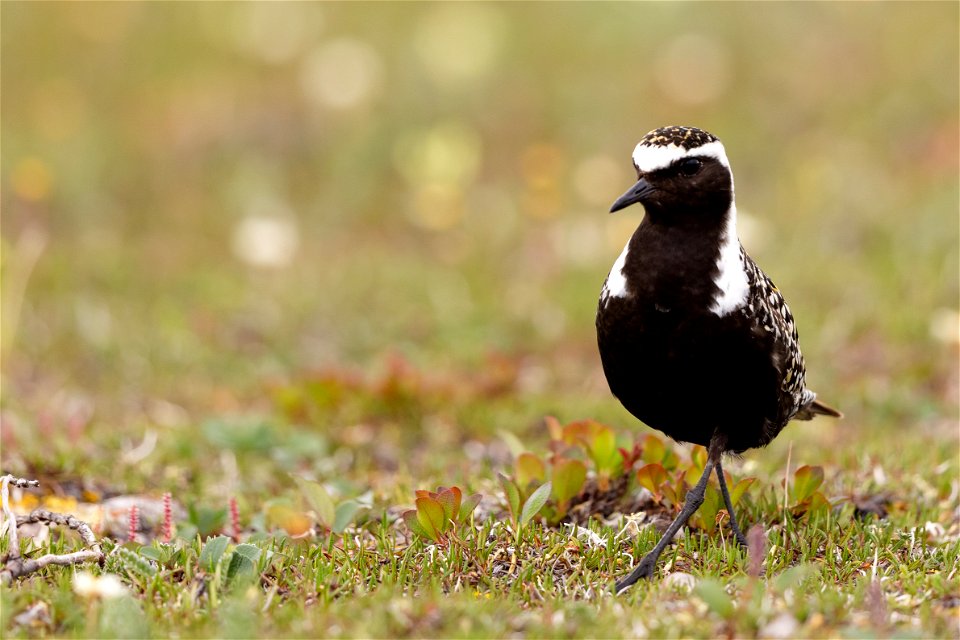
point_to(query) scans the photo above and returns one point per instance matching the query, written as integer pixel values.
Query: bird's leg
(726, 501)
(691, 504)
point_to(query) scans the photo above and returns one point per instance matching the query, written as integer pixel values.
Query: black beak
(634, 194)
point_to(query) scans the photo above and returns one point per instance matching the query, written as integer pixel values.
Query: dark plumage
(695, 339)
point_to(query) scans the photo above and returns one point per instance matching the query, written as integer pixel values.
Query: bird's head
(680, 170)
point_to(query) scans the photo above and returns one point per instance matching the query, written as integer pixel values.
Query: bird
(694, 339)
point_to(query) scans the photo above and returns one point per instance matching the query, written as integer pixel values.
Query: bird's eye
(689, 166)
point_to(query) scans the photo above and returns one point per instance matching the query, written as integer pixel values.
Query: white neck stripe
(649, 158)
(616, 284)
(731, 272)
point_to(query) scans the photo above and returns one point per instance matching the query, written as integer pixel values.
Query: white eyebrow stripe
(648, 158)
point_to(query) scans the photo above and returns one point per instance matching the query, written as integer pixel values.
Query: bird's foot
(741, 539)
(642, 571)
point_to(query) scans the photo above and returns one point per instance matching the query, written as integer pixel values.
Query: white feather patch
(616, 284)
(732, 276)
(651, 158)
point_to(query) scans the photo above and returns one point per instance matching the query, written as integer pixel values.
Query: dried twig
(15, 566)
(8, 518)
(49, 517)
(21, 483)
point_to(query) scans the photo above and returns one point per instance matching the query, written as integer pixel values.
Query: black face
(697, 185)
(692, 186)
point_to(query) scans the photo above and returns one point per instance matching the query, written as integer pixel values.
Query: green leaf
(430, 515)
(739, 489)
(152, 553)
(706, 516)
(345, 513)
(240, 569)
(243, 563)
(579, 432)
(535, 502)
(713, 594)
(819, 503)
(698, 456)
(568, 479)
(212, 551)
(467, 507)
(675, 489)
(680, 486)
(250, 551)
(318, 499)
(692, 475)
(602, 447)
(816, 504)
(413, 523)
(529, 469)
(554, 428)
(653, 449)
(653, 477)
(512, 494)
(670, 460)
(280, 514)
(806, 480)
(792, 577)
(449, 499)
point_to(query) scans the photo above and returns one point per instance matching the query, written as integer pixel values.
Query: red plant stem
(167, 532)
(134, 523)
(234, 519)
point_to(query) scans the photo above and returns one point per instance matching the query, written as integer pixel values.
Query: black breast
(675, 364)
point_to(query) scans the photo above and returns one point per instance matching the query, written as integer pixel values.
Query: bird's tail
(813, 407)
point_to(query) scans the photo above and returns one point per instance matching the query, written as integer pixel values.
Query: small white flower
(935, 532)
(680, 581)
(631, 525)
(783, 626)
(588, 536)
(105, 586)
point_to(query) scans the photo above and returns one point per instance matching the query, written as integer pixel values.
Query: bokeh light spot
(341, 74)
(581, 240)
(460, 41)
(543, 166)
(447, 153)
(438, 207)
(32, 180)
(267, 236)
(945, 326)
(599, 180)
(276, 32)
(694, 69)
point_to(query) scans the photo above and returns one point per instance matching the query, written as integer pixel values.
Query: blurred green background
(201, 197)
